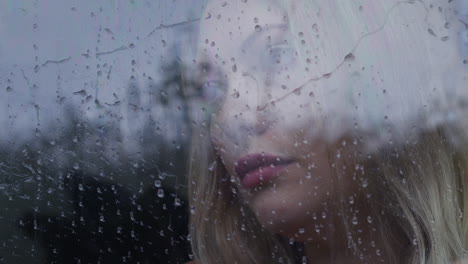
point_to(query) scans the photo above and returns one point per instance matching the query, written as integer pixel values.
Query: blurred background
(95, 130)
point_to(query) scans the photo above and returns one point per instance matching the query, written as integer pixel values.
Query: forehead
(326, 29)
(227, 25)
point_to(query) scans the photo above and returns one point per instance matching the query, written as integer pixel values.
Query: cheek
(296, 198)
(300, 115)
(306, 183)
(224, 143)
(298, 138)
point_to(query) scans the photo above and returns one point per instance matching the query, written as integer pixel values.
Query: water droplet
(80, 187)
(364, 183)
(160, 193)
(349, 56)
(258, 28)
(212, 167)
(317, 228)
(157, 183)
(354, 220)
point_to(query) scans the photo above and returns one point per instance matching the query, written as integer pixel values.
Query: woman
(337, 133)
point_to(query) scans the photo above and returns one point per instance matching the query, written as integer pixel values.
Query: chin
(278, 211)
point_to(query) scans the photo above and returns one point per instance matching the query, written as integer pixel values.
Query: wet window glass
(238, 131)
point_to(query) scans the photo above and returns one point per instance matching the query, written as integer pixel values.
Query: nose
(259, 124)
(248, 111)
(260, 118)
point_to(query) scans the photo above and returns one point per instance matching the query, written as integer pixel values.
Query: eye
(211, 87)
(213, 91)
(281, 54)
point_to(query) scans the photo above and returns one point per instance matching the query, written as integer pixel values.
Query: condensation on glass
(240, 131)
(95, 131)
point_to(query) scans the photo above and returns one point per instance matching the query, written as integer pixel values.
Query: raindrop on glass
(177, 202)
(160, 193)
(157, 183)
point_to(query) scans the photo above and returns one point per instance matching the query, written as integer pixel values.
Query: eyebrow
(253, 36)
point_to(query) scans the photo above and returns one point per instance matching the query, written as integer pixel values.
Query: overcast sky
(56, 53)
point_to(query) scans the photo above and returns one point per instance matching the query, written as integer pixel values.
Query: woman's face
(281, 173)
(273, 126)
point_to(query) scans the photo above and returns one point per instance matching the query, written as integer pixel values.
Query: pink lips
(254, 169)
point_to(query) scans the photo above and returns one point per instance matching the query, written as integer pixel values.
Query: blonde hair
(417, 190)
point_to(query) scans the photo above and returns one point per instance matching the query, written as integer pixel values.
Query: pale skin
(250, 47)
(298, 201)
